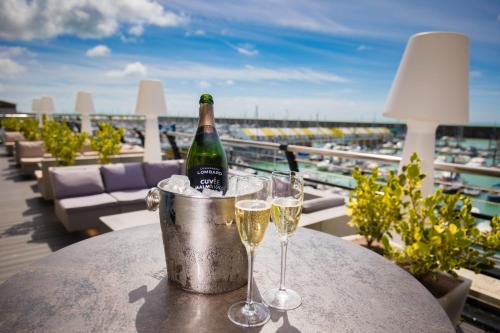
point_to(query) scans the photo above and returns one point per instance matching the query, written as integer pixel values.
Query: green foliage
(374, 207)
(30, 129)
(438, 231)
(28, 126)
(12, 124)
(61, 142)
(107, 142)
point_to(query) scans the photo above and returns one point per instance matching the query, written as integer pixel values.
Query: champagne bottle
(206, 162)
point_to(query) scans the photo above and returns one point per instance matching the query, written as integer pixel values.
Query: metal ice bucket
(203, 250)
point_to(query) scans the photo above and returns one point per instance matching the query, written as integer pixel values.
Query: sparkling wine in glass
(252, 212)
(287, 199)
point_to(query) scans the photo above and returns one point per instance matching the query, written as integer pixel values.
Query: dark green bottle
(206, 162)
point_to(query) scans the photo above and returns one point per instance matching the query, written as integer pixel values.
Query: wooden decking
(29, 229)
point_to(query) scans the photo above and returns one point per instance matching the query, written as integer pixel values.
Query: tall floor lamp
(84, 106)
(431, 88)
(151, 103)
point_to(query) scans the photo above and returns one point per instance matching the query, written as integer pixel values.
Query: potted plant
(61, 142)
(438, 232)
(107, 142)
(374, 207)
(30, 129)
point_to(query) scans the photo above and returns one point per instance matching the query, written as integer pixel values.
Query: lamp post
(46, 106)
(431, 88)
(85, 106)
(151, 103)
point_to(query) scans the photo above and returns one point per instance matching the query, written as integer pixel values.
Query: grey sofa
(43, 180)
(9, 139)
(85, 193)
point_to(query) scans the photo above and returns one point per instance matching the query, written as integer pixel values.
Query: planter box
(450, 292)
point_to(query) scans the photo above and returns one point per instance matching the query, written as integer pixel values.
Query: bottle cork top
(206, 98)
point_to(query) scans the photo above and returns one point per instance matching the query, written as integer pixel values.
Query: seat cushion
(13, 136)
(130, 196)
(76, 181)
(157, 171)
(123, 176)
(87, 202)
(30, 149)
(313, 205)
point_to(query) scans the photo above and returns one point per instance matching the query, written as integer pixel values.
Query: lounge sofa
(28, 154)
(43, 180)
(9, 139)
(85, 193)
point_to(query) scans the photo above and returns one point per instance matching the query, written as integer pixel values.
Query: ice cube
(178, 184)
(231, 187)
(211, 193)
(192, 192)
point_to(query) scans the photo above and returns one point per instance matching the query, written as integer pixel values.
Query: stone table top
(117, 282)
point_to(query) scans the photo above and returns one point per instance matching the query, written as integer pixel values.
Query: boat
(476, 162)
(494, 195)
(461, 159)
(451, 188)
(323, 165)
(471, 192)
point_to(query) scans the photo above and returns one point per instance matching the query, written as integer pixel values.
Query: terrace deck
(29, 230)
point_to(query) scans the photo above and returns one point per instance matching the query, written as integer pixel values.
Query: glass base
(282, 299)
(248, 315)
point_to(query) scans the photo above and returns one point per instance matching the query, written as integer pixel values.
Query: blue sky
(333, 60)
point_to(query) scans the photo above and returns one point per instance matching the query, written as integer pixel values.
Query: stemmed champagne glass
(252, 210)
(287, 199)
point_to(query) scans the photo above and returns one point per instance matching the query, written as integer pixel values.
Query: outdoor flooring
(29, 229)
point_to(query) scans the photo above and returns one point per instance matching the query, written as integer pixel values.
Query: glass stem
(251, 257)
(284, 247)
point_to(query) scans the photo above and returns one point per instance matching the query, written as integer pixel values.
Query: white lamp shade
(432, 82)
(35, 105)
(47, 105)
(151, 99)
(84, 103)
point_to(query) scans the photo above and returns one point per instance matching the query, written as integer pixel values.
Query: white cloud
(195, 71)
(98, 51)
(132, 69)
(136, 30)
(362, 48)
(9, 68)
(229, 82)
(204, 84)
(197, 32)
(475, 74)
(12, 51)
(246, 49)
(24, 19)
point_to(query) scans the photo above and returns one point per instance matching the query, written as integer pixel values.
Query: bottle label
(210, 177)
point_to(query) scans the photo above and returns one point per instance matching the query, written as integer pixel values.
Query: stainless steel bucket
(203, 250)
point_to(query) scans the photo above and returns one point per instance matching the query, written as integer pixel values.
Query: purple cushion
(157, 171)
(130, 196)
(123, 176)
(87, 202)
(76, 181)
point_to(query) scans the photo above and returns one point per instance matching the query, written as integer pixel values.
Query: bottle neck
(206, 115)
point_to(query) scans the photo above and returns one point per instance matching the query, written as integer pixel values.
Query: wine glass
(252, 211)
(287, 199)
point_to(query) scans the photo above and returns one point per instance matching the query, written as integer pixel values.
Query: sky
(326, 60)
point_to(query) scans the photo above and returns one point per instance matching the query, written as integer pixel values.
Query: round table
(117, 282)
